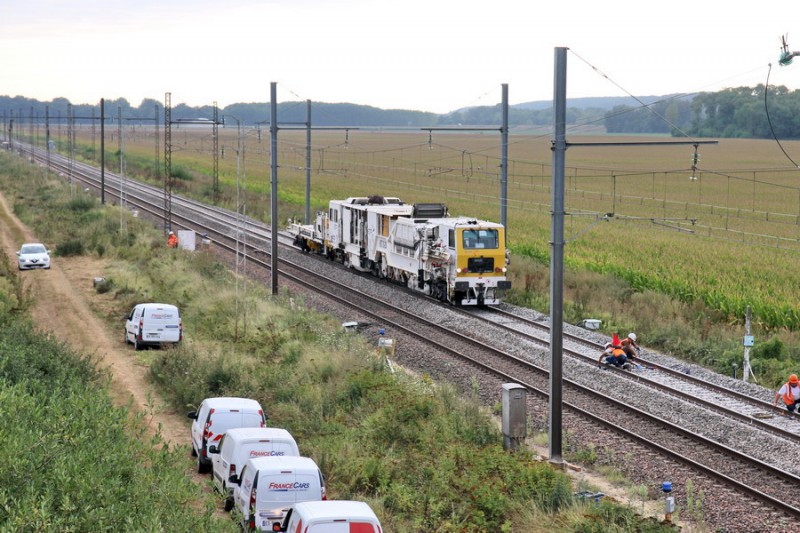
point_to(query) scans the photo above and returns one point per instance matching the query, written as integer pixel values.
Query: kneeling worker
(790, 392)
(613, 354)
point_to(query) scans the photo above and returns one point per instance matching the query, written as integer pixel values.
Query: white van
(153, 324)
(331, 516)
(214, 417)
(240, 444)
(269, 486)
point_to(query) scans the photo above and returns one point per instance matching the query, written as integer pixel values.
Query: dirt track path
(60, 297)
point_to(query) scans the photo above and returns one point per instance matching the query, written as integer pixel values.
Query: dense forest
(745, 112)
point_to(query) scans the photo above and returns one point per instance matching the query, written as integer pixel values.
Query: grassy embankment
(420, 454)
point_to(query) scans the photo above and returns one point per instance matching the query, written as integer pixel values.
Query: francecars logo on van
(270, 453)
(286, 487)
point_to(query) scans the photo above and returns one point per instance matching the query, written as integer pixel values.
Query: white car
(33, 255)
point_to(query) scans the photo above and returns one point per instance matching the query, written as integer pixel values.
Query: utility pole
(102, 151)
(167, 162)
(47, 133)
(158, 141)
(123, 226)
(504, 163)
(559, 148)
(71, 147)
(119, 136)
(31, 135)
(308, 161)
(94, 136)
(273, 134)
(215, 150)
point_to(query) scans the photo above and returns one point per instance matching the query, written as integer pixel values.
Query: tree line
(741, 112)
(745, 112)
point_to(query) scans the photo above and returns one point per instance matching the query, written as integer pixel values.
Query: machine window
(473, 239)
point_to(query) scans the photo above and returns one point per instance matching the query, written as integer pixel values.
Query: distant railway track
(474, 346)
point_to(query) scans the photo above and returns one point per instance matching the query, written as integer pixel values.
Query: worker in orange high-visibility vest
(613, 354)
(172, 240)
(790, 392)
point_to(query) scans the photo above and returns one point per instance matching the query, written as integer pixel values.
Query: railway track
(466, 344)
(678, 381)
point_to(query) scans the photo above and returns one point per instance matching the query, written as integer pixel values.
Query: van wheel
(201, 468)
(228, 505)
(136, 345)
(194, 452)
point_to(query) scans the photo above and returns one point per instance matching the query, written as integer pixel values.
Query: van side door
(132, 322)
(198, 427)
(220, 465)
(241, 492)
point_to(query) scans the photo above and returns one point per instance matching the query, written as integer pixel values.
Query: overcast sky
(430, 55)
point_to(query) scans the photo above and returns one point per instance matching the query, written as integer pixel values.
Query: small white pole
(748, 342)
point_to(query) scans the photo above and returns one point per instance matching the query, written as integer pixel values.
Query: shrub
(69, 248)
(81, 204)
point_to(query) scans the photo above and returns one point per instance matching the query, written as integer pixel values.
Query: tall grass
(70, 463)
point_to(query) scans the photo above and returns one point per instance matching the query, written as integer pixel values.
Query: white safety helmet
(171, 233)
(632, 336)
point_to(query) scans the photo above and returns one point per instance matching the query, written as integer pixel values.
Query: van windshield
(222, 422)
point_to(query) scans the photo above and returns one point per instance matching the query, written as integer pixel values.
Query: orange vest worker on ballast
(172, 240)
(790, 392)
(613, 354)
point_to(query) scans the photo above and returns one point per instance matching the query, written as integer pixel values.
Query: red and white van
(214, 417)
(240, 444)
(269, 486)
(331, 516)
(153, 324)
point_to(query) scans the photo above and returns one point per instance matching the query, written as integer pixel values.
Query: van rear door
(161, 324)
(268, 448)
(278, 490)
(343, 526)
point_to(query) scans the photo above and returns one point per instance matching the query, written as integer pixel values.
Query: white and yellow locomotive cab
(480, 268)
